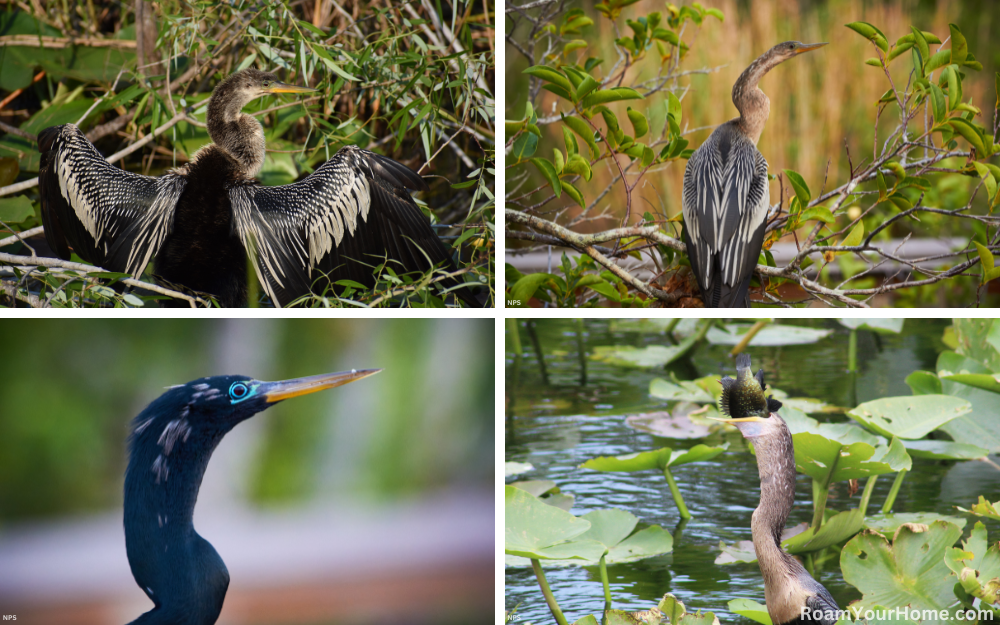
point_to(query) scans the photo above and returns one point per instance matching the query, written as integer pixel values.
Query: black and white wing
(341, 221)
(725, 201)
(108, 216)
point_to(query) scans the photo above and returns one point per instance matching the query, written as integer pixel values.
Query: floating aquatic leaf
(984, 508)
(770, 336)
(536, 488)
(887, 524)
(674, 390)
(513, 468)
(637, 357)
(977, 565)
(909, 416)
(752, 610)
(944, 450)
(535, 530)
(675, 424)
(828, 460)
(908, 572)
(893, 326)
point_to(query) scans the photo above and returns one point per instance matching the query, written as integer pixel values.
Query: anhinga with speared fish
(199, 220)
(791, 594)
(171, 443)
(725, 198)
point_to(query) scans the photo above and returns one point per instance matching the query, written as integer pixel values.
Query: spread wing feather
(110, 217)
(725, 201)
(340, 222)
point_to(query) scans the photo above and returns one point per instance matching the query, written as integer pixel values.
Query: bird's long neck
(240, 135)
(750, 101)
(776, 465)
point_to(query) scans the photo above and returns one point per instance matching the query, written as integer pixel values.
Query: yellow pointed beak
(280, 87)
(806, 47)
(278, 391)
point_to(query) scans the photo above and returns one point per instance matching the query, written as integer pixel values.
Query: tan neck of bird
(750, 101)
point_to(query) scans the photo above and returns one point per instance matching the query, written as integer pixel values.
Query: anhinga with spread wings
(725, 197)
(791, 594)
(199, 220)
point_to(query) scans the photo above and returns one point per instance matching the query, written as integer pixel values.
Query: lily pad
(674, 390)
(836, 529)
(535, 530)
(828, 460)
(752, 610)
(590, 619)
(981, 426)
(675, 613)
(909, 416)
(674, 424)
(986, 381)
(656, 459)
(944, 450)
(887, 524)
(908, 572)
(977, 565)
(513, 468)
(638, 357)
(773, 335)
(536, 488)
(984, 509)
(890, 326)
(924, 383)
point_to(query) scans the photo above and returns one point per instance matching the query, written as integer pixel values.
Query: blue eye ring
(239, 391)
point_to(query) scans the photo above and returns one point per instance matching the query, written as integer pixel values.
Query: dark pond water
(575, 411)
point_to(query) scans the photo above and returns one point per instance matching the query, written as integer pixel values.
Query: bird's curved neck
(776, 465)
(240, 135)
(750, 101)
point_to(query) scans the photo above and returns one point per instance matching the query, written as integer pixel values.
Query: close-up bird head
(788, 49)
(252, 83)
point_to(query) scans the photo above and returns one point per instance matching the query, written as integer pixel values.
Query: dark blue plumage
(170, 445)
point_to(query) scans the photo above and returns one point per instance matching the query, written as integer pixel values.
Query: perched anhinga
(169, 448)
(198, 220)
(725, 196)
(788, 587)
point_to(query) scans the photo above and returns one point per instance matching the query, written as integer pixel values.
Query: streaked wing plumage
(353, 207)
(109, 216)
(725, 201)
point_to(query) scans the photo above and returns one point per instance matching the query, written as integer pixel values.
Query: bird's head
(788, 49)
(210, 407)
(743, 399)
(240, 88)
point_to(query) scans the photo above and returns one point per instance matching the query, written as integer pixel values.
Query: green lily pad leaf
(638, 357)
(986, 381)
(752, 610)
(590, 619)
(742, 551)
(513, 468)
(563, 501)
(621, 617)
(674, 390)
(985, 509)
(924, 383)
(797, 420)
(657, 459)
(836, 529)
(981, 427)
(706, 618)
(770, 336)
(909, 417)
(535, 530)
(806, 404)
(944, 450)
(671, 608)
(536, 488)
(675, 424)
(818, 456)
(640, 461)
(887, 524)
(609, 527)
(908, 572)
(949, 363)
(891, 326)
(646, 543)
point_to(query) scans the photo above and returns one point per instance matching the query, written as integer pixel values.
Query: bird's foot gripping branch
(596, 137)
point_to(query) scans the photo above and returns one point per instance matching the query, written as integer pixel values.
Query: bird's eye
(267, 84)
(238, 390)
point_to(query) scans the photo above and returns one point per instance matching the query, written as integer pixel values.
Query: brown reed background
(817, 100)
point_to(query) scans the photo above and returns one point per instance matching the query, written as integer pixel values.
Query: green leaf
(679, 391)
(986, 258)
(640, 461)
(14, 210)
(524, 146)
(959, 47)
(829, 460)
(985, 381)
(574, 193)
(939, 105)
(718, 14)
(562, 92)
(899, 49)
(610, 95)
(584, 131)
(884, 326)
(819, 213)
(887, 524)
(954, 86)
(911, 571)
(855, 237)
(944, 450)
(524, 289)
(751, 610)
(971, 134)
(587, 85)
(938, 59)
(552, 75)
(639, 122)
(549, 172)
(647, 156)
(909, 416)
(558, 161)
(924, 383)
(921, 43)
(666, 35)
(575, 44)
(674, 110)
(800, 186)
(638, 357)
(870, 33)
(883, 192)
(533, 529)
(836, 529)
(576, 164)
(984, 509)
